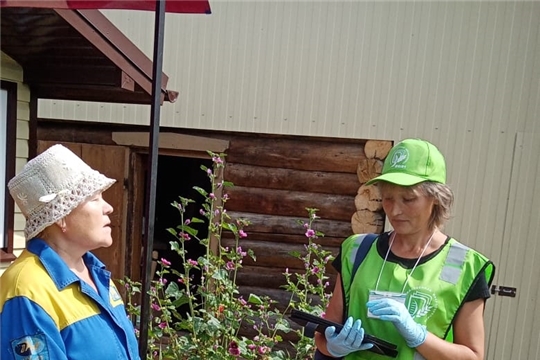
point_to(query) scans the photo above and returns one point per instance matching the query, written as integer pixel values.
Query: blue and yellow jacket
(47, 312)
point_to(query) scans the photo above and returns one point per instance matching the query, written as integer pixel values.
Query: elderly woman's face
(89, 224)
(407, 208)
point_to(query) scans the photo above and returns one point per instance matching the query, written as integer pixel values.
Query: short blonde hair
(444, 199)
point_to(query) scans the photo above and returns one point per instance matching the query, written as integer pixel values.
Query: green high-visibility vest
(434, 292)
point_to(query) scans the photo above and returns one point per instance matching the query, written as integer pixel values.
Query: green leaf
(201, 191)
(283, 327)
(227, 184)
(175, 246)
(196, 220)
(254, 299)
(184, 299)
(191, 231)
(295, 253)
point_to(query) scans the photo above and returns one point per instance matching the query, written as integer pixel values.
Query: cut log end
(365, 221)
(368, 169)
(377, 149)
(368, 198)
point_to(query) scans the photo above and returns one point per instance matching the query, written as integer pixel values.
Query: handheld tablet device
(319, 324)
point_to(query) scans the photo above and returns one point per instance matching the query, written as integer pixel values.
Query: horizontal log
(297, 154)
(289, 203)
(324, 241)
(365, 221)
(289, 224)
(276, 255)
(172, 141)
(289, 179)
(269, 277)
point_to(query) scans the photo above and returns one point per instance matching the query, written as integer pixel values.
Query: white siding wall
(11, 71)
(464, 75)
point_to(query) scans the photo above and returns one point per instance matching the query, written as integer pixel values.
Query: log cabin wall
(276, 178)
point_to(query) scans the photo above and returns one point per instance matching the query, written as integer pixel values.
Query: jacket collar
(56, 267)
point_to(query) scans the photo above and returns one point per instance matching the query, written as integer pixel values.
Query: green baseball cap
(411, 162)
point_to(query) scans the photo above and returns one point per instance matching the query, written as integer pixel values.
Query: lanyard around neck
(391, 242)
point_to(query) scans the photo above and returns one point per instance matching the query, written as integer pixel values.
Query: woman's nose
(107, 208)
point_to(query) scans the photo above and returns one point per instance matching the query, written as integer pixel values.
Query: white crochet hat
(51, 185)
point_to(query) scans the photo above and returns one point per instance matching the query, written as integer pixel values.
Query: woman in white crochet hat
(57, 300)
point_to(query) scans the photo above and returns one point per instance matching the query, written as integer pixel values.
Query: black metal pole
(150, 211)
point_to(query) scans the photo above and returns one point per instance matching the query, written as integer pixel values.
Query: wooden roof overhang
(77, 55)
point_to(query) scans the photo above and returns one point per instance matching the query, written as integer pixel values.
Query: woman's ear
(62, 224)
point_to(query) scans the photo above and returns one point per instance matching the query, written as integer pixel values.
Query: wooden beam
(172, 141)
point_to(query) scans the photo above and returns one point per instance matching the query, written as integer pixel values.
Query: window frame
(6, 252)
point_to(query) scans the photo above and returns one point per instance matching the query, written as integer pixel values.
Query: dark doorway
(176, 177)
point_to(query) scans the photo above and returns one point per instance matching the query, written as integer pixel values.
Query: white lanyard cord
(417, 261)
(391, 242)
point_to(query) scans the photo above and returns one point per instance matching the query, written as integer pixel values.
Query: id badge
(374, 295)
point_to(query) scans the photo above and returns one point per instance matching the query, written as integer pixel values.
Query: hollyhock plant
(206, 286)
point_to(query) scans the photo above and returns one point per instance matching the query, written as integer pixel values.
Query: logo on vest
(421, 303)
(400, 158)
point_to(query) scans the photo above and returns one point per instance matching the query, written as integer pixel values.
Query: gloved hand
(348, 340)
(394, 311)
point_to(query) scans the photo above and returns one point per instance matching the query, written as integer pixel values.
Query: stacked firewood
(368, 217)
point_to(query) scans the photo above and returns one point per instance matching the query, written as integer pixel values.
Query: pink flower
(212, 196)
(165, 262)
(187, 222)
(239, 251)
(155, 307)
(233, 349)
(310, 233)
(229, 265)
(242, 234)
(162, 325)
(192, 262)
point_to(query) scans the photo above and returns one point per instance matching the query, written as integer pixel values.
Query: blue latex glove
(348, 340)
(395, 312)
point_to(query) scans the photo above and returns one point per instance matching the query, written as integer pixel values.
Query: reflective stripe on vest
(454, 263)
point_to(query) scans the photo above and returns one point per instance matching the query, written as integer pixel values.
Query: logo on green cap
(400, 158)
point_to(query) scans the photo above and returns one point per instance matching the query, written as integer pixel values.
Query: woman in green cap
(416, 287)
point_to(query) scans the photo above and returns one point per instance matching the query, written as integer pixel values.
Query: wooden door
(112, 161)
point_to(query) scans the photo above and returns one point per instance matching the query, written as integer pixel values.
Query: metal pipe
(150, 211)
